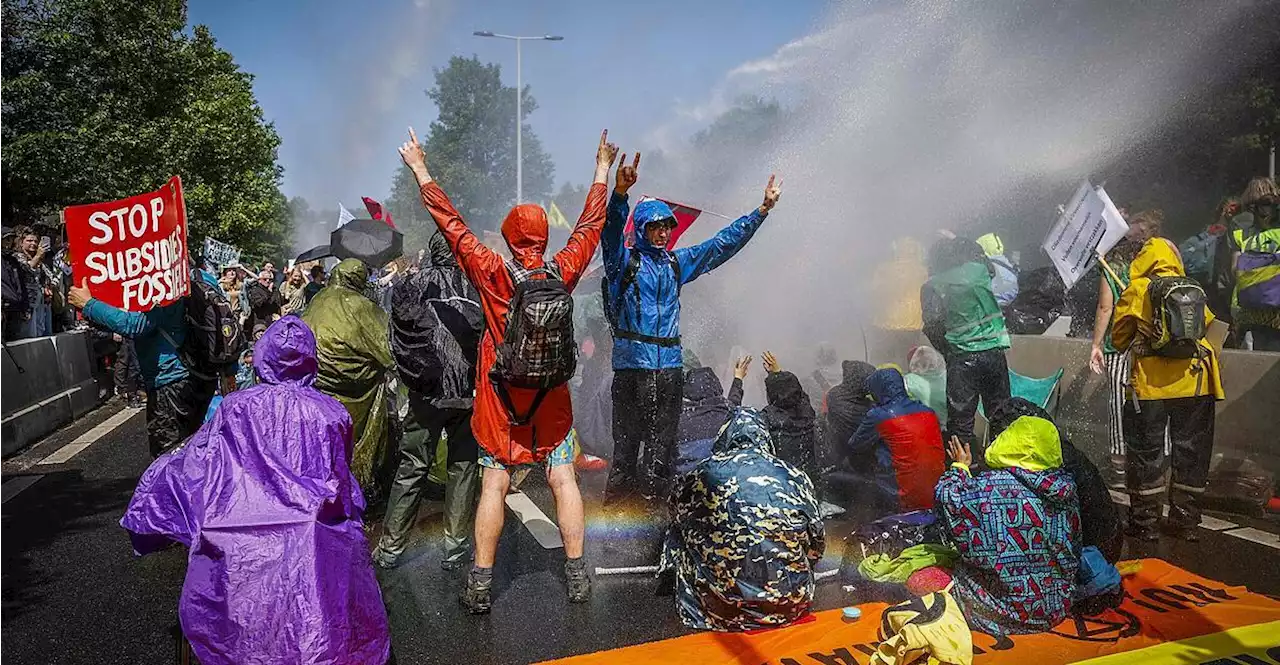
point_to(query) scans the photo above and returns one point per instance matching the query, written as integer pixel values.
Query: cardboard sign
(132, 251)
(1168, 616)
(1090, 224)
(218, 254)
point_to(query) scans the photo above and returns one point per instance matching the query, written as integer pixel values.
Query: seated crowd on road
(350, 384)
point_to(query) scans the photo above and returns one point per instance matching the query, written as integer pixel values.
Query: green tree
(105, 99)
(471, 148)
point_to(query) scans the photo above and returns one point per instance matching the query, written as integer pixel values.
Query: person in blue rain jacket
(642, 304)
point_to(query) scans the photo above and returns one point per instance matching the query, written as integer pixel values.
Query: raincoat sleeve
(1125, 326)
(476, 260)
(577, 253)
(710, 254)
(735, 392)
(612, 244)
(163, 507)
(129, 324)
(949, 500)
(864, 438)
(933, 314)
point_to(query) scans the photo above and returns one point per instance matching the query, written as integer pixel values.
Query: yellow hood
(1158, 258)
(1028, 443)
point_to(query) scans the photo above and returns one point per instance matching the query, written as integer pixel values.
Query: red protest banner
(132, 251)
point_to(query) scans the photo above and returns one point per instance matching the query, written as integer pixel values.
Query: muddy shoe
(477, 595)
(579, 585)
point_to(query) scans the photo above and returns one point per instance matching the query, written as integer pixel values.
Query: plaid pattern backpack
(538, 350)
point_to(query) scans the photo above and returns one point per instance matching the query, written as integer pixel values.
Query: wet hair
(1259, 188)
(1145, 225)
(317, 268)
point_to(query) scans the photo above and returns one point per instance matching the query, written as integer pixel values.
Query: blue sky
(341, 80)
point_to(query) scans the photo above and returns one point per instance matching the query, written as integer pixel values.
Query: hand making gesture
(741, 368)
(772, 192)
(959, 451)
(605, 154)
(771, 363)
(626, 175)
(415, 158)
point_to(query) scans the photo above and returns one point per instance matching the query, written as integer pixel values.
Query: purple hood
(263, 495)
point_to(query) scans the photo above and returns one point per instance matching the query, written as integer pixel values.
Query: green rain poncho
(354, 356)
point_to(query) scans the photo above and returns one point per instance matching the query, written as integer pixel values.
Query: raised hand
(606, 152)
(741, 368)
(772, 192)
(959, 451)
(771, 363)
(78, 296)
(627, 175)
(415, 157)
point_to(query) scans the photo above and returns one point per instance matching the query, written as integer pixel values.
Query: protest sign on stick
(1090, 224)
(218, 254)
(132, 251)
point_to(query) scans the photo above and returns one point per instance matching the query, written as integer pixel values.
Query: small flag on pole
(555, 218)
(376, 211)
(685, 217)
(344, 215)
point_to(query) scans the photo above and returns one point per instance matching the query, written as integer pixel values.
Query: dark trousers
(125, 371)
(1190, 425)
(175, 411)
(1265, 338)
(422, 430)
(978, 374)
(646, 414)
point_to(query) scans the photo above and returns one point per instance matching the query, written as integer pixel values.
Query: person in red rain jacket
(906, 440)
(545, 436)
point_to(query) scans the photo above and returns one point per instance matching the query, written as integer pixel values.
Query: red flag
(685, 217)
(375, 211)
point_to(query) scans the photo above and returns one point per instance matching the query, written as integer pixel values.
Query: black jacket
(704, 412)
(847, 404)
(436, 323)
(264, 305)
(791, 420)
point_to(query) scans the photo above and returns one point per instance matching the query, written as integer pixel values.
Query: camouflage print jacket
(745, 535)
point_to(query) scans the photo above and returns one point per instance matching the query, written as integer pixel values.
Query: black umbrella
(314, 254)
(373, 241)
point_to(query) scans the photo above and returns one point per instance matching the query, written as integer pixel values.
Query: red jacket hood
(525, 230)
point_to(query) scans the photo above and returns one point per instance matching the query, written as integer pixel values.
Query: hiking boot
(477, 595)
(1181, 531)
(579, 585)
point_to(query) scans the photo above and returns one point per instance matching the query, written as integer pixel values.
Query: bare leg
(564, 487)
(491, 512)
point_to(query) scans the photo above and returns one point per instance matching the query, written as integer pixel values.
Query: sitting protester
(1017, 529)
(905, 440)
(793, 424)
(927, 380)
(745, 534)
(263, 496)
(705, 411)
(846, 405)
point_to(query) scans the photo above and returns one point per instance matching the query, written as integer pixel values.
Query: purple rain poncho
(279, 568)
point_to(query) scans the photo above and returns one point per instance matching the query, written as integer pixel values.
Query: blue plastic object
(852, 613)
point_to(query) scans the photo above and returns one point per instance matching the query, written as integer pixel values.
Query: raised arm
(476, 260)
(576, 255)
(612, 243)
(711, 254)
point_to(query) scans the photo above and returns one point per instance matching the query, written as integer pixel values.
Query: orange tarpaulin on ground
(1169, 616)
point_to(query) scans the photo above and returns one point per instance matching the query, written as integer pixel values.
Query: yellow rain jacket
(897, 284)
(1028, 443)
(1158, 377)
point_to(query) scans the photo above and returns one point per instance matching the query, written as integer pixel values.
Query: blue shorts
(561, 455)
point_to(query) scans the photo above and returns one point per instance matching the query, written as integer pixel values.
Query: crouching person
(301, 590)
(1017, 529)
(745, 535)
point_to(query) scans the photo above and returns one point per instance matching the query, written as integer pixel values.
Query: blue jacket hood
(887, 386)
(647, 212)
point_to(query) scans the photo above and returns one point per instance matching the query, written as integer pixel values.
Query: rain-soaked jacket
(745, 534)
(1158, 377)
(705, 411)
(927, 380)
(846, 405)
(905, 439)
(792, 420)
(354, 356)
(262, 495)
(651, 309)
(1017, 529)
(525, 231)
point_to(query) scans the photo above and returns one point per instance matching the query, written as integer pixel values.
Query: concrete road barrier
(55, 386)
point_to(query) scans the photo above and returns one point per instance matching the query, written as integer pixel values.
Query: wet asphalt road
(73, 592)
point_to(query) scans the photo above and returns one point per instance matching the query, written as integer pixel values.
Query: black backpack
(15, 285)
(418, 312)
(1177, 306)
(214, 337)
(538, 350)
(629, 275)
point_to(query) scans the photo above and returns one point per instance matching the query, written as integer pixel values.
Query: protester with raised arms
(642, 303)
(522, 406)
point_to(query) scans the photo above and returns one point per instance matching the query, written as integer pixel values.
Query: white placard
(1090, 224)
(219, 255)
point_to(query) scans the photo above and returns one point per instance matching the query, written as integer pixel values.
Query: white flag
(344, 215)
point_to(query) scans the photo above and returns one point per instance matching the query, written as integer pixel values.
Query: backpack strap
(505, 397)
(629, 275)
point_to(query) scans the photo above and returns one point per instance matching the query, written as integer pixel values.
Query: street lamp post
(519, 103)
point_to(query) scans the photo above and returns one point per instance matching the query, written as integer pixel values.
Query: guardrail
(45, 383)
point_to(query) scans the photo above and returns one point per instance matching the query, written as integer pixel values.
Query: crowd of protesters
(347, 386)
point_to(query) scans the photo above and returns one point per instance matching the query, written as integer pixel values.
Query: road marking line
(41, 403)
(1256, 536)
(65, 453)
(62, 455)
(543, 529)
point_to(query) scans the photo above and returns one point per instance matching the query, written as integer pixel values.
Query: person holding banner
(962, 319)
(642, 304)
